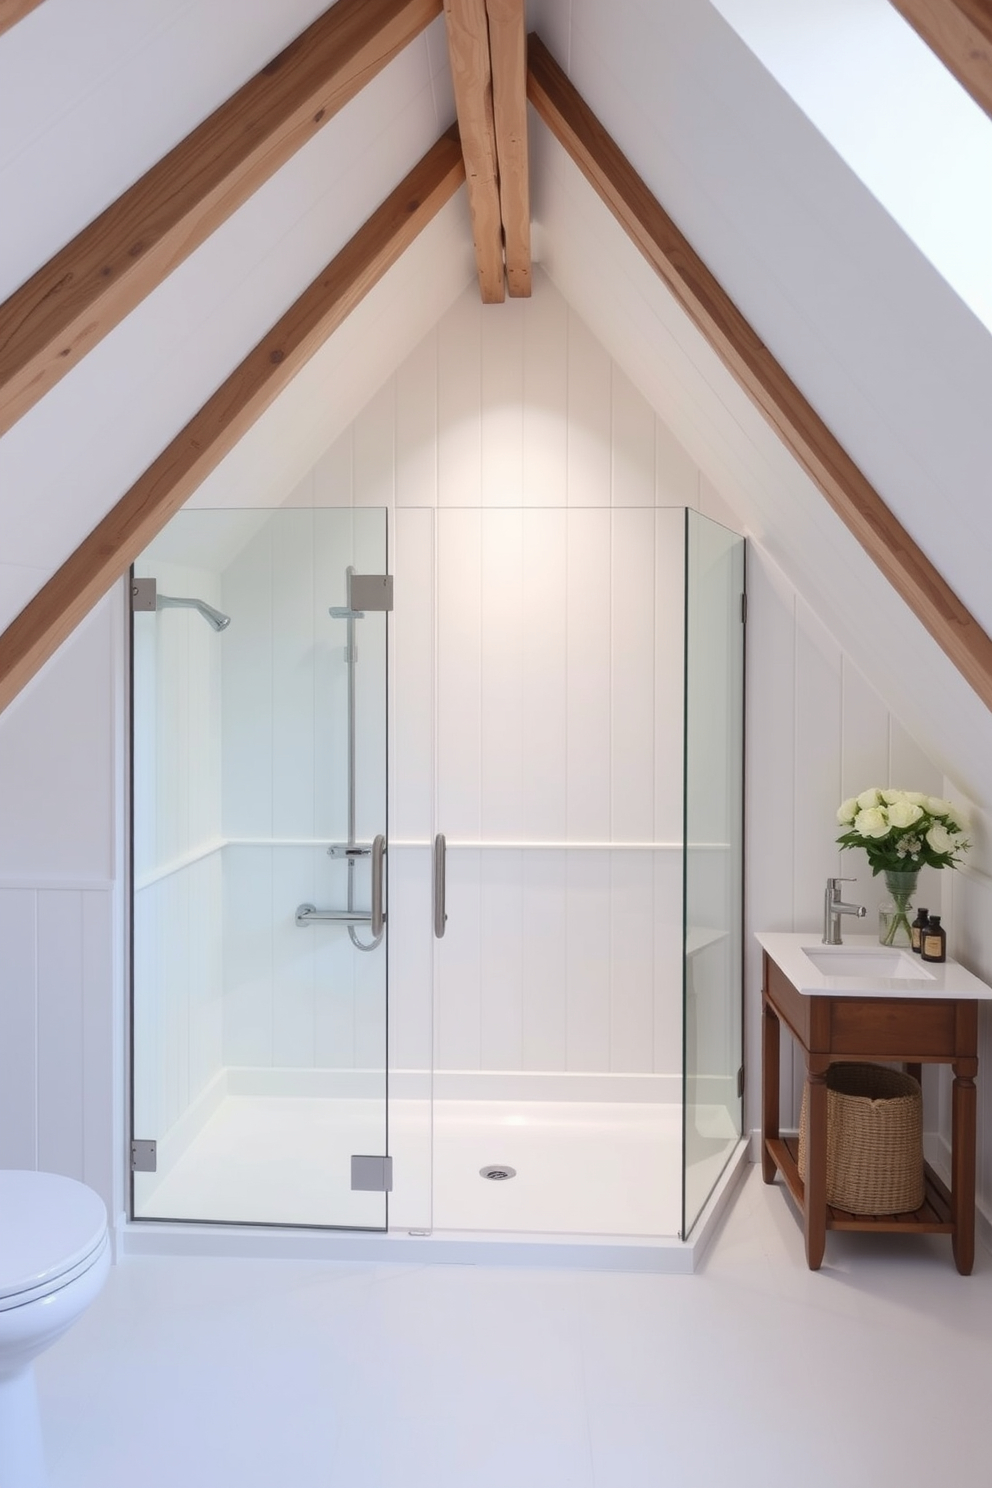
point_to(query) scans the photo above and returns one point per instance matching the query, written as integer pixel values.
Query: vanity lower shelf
(932, 1218)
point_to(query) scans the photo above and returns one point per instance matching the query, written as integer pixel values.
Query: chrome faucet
(833, 908)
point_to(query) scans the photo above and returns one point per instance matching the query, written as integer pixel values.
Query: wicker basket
(874, 1140)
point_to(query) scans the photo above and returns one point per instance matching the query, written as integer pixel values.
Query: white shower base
(609, 1168)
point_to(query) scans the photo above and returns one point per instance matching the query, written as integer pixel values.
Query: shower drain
(497, 1171)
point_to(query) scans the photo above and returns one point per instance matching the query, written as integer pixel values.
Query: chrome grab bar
(378, 919)
(440, 897)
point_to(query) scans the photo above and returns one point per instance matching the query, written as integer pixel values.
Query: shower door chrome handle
(378, 853)
(440, 915)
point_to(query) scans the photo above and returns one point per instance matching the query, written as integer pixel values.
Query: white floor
(590, 1168)
(753, 1372)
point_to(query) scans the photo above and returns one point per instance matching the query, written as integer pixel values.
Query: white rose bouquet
(902, 831)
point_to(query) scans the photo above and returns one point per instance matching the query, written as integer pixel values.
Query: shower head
(213, 617)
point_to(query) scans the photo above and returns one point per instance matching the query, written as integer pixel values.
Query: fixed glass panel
(713, 857)
(259, 790)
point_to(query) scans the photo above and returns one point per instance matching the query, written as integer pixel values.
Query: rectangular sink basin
(839, 961)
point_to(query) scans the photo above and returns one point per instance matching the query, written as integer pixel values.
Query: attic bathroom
(554, 702)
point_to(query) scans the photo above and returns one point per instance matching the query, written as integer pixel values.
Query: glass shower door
(259, 822)
(712, 858)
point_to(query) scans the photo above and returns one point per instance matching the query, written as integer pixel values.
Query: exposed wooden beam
(90, 285)
(797, 424)
(170, 480)
(960, 32)
(471, 73)
(11, 11)
(508, 54)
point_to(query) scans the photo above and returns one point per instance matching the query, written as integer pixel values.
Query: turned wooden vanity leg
(769, 1087)
(815, 1205)
(963, 1116)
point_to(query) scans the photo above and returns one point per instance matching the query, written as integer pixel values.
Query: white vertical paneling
(676, 473)
(333, 551)
(60, 1032)
(369, 556)
(632, 913)
(411, 976)
(589, 376)
(292, 684)
(334, 978)
(292, 957)
(459, 399)
(864, 763)
(501, 955)
(907, 762)
(501, 666)
(97, 1050)
(416, 426)
(632, 669)
(502, 404)
(633, 476)
(588, 761)
(669, 673)
(588, 959)
(411, 736)
(771, 788)
(545, 397)
(374, 433)
(206, 973)
(459, 657)
(332, 474)
(817, 743)
(666, 967)
(457, 1027)
(543, 989)
(544, 676)
(247, 697)
(172, 801)
(247, 896)
(18, 1029)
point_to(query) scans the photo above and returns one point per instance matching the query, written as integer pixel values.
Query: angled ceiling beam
(471, 74)
(960, 32)
(508, 54)
(11, 11)
(71, 303)
(797, 424)
(126, 530)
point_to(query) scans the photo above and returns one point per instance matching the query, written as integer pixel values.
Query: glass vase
(896, 910)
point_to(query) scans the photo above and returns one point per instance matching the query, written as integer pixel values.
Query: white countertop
(935, 980)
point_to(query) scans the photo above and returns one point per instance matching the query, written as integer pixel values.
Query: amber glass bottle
(933, 942)
(916, 929)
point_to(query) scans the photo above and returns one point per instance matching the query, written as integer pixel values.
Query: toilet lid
(48, 1226)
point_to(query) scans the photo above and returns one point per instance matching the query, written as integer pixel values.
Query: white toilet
(54, 1258)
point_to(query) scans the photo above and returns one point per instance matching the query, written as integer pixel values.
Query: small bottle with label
(916, 930)
(933, 941)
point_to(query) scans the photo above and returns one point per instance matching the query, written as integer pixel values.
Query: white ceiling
(891, 358)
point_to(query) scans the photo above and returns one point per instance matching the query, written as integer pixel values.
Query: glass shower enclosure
(564, 693)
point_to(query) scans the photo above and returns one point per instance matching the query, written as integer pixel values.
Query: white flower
(904, 814)
(871, 822)
(890, 797)
(939, 807)
(848, 811)
(940, 839)
(916, 797)
(867, 799)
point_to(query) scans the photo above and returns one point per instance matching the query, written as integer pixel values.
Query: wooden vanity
(932, 1020)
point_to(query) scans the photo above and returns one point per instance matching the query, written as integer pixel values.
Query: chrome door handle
(378, 853)
(440, 915)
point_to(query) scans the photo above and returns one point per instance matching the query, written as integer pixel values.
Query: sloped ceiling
(879, 344)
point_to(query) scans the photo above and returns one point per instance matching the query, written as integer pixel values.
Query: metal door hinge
(740, 1083)
(144, 594)
(372, 1174)
(144, 1157)
(370, 592)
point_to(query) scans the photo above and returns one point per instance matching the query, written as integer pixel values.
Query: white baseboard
(937, 1151)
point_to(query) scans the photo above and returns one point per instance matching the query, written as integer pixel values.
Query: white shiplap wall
(61, 914)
